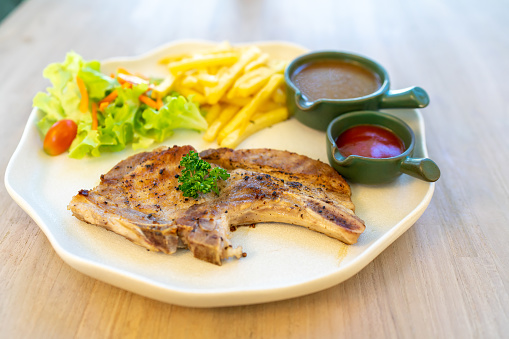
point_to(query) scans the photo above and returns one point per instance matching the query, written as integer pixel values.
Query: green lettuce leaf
(124, 121)
(176, 113)
(97, 83)
(50, 111)
(63, 99)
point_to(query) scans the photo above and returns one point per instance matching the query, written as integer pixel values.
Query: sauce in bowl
(370, 141)
(335, 79)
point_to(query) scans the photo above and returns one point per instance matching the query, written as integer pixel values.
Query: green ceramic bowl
(319, 113)
(377, 170)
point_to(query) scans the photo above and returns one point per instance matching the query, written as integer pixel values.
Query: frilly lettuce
(125, 121)
(177, 112)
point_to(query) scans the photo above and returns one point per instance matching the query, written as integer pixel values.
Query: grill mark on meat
(320, 208)
(139, 199)
(287, 166)
(294, 184)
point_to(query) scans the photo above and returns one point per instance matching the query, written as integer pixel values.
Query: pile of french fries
(240, 88)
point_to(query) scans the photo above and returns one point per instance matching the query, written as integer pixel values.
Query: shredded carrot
(103, 105)
(133, 79)
(121, 81)
(84, 95)
(126, 72)
(127, 85)
(123, 71)
(94, 116)
(159, 102)
(110, 97)
(149, 102)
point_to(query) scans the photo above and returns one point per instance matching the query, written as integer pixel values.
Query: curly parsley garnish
(197, 176)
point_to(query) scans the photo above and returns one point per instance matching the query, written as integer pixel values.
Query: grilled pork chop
(139, 199)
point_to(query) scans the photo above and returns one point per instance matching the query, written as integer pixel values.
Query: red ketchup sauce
(370, 141)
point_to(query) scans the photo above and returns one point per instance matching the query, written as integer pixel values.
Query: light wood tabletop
(446, 277)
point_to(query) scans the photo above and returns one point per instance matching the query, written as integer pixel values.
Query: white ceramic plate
(283, 261)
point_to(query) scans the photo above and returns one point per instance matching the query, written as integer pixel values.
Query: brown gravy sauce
(335, 79)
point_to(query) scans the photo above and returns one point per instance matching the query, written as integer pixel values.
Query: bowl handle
(412, 97)
(421, 168)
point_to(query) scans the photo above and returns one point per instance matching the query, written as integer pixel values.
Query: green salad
(110, 111)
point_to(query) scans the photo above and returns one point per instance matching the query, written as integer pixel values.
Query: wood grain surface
(447, 277)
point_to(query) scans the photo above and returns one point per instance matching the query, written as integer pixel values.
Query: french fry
(226, 114)
(262, 60)
(277, 65)
(202, 62)
(259, 122)
(243, 116)
(268, 105)
(279, 96)
(236, 101)
(189, 80)
(188, 92)
(206, 79)
(221, 48)
(165, 86)
(250, 83)
(212, 113)
(211, 132)
(173, 58)
(215, 93)
(240, 88)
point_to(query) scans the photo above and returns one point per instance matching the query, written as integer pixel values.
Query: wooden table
(446, 277)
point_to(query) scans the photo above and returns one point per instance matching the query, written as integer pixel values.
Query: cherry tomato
(60, 136)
